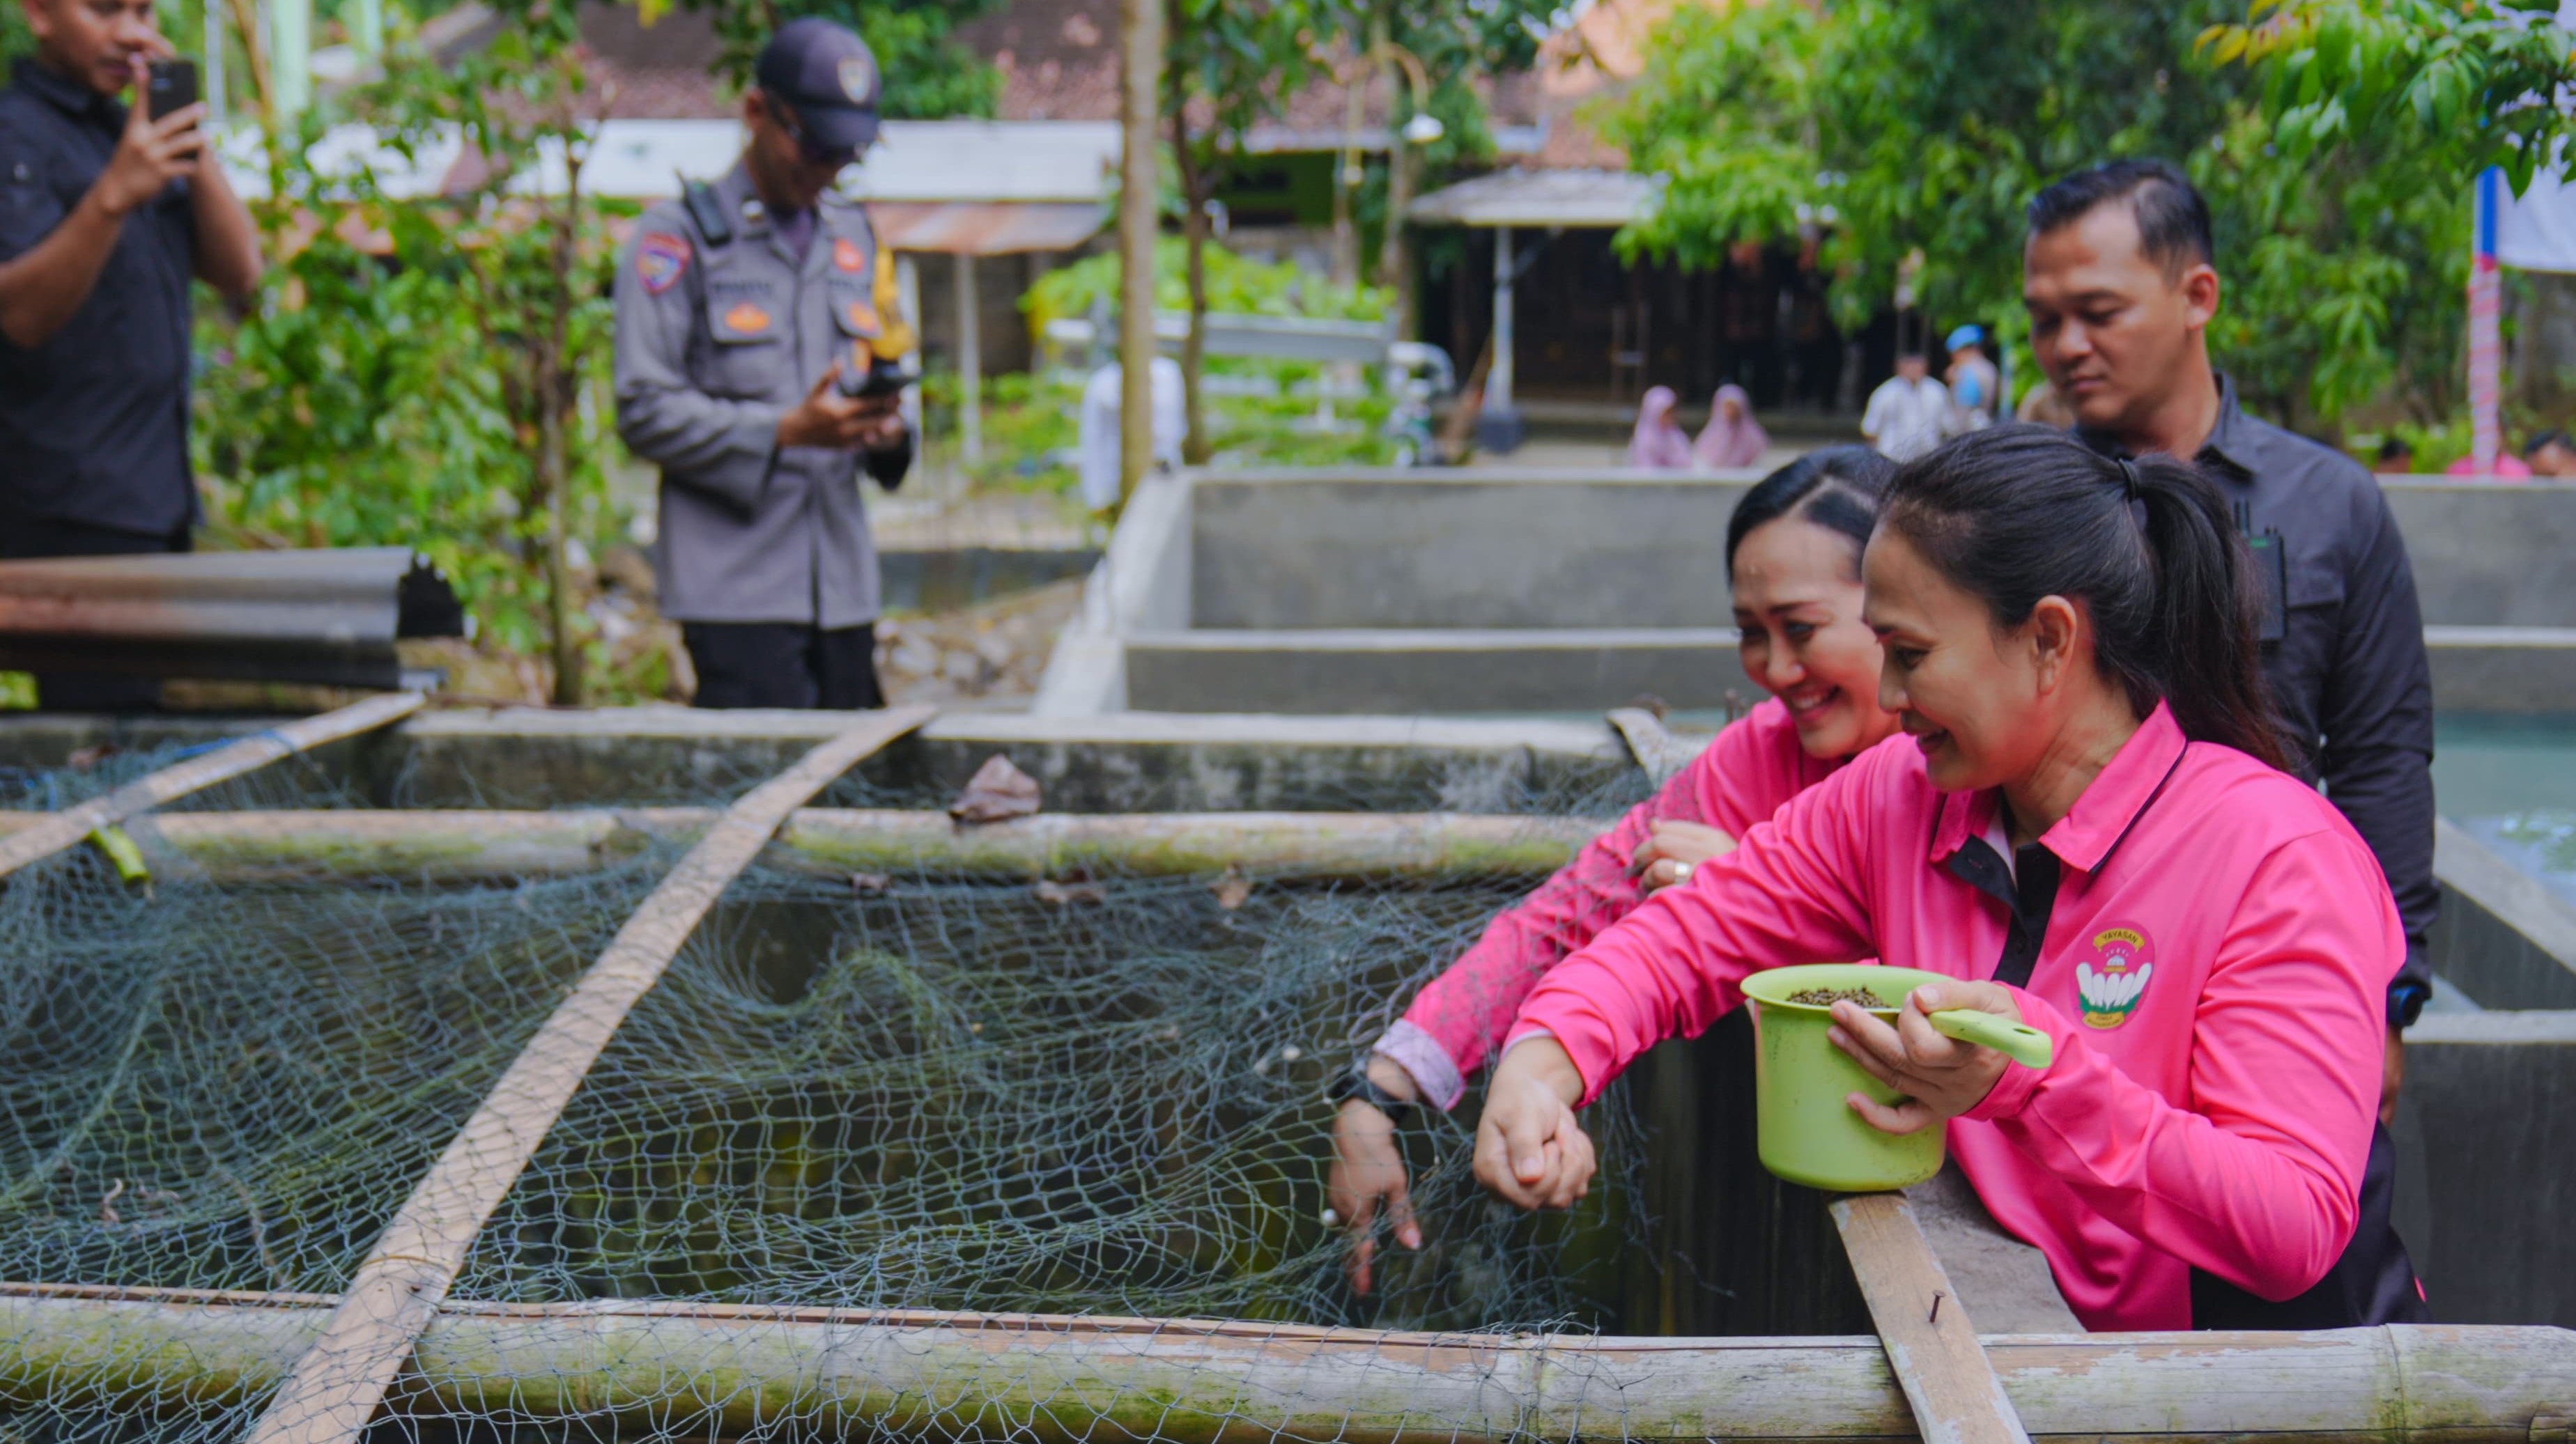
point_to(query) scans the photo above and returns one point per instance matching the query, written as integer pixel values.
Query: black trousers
(2373, 1283)
(783, 664)
(23, 539)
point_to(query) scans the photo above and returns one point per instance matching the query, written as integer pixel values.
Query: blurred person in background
(105, 215)
(1732, 438)
(2506, 467)
(2396, 458)
(1100, 425)
(2042, 406)
(750, 313)
(2550, 454)
(1909, 413)
(1975, 385)
(1658, 443)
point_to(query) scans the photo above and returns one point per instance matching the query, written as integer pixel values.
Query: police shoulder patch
(660, 258)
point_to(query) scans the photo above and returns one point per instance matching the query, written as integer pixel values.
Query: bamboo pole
(1140, 73)
(1930, 1341)
(337, 1384)
(445, 846)
(58, 830)
(1054, 1380)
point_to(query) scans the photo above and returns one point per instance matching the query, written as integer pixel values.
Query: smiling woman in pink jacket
(2086, 825)
(1793, 561)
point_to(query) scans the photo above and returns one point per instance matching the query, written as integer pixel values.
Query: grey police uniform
(716, 342)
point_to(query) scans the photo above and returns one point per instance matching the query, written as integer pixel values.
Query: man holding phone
(757, 335)
(106, 211)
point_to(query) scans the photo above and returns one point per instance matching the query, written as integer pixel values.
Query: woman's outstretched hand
(1673, 848)
(1368, 1173)
(1940, 1077)
(1530, 1151)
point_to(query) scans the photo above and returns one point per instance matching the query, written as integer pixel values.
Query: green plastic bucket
(1808, 1133)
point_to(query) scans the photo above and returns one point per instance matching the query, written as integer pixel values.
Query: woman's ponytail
(2018, 513)
(2208, 665)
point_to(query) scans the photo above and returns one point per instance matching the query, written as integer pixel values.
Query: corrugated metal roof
(1596, 199)
(916, 160)
(985, 228)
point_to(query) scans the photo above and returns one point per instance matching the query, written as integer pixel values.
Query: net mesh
(942, 1091)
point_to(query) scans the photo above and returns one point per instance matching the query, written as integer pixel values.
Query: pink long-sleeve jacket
(2213, 972)
(1456, 1022)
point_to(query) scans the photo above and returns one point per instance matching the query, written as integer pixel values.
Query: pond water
(2510, 782)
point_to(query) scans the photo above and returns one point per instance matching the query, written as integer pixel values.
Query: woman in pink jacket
(1793, 558)
(2086, 825)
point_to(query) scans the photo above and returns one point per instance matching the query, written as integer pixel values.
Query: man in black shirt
(2120, 281)
(105, 214)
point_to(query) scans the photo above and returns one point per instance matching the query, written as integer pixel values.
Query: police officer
(749, 314)
(105, 215)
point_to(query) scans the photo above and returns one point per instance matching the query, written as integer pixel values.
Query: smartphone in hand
(885, 378)
(169, 85)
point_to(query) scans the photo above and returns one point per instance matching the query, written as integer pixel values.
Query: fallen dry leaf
(1232, 889)
(871, 884)
(997, 791)
(1064, 894)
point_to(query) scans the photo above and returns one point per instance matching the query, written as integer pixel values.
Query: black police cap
(826, 74)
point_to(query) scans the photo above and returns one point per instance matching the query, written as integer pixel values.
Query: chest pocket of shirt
(29, 209)
(748, 323)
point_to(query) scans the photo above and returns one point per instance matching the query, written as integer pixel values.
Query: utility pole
(290, 24)
(1140, 39)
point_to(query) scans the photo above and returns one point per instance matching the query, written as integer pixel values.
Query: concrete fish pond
(1484, 591)
(663, 1075)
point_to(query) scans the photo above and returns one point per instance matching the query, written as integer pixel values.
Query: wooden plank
(62, 829)
(460, 846)
(850, 1373)
(1931, 1343)
(337, 1385)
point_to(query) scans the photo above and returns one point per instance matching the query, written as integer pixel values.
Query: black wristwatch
(1356, 1083)
(2406, 1000)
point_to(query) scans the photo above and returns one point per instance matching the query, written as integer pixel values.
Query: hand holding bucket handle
(2020, 1042)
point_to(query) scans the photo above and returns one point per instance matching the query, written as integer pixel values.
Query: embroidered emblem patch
(2115, 977)
(746, 319)
(659, 259)
(847, 255)
(862, 318)
(858, 79)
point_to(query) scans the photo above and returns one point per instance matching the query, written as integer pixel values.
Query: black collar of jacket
(67, 94)
(2227, 441)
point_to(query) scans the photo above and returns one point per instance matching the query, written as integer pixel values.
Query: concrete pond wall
(2486, 1133)
(1484, 592)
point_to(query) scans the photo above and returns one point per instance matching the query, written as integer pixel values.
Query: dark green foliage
(928, 76)
(1903, 126)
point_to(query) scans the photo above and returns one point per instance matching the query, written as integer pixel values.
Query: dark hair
(2018, 513)
(1838, 488)
(2173, 219)
(2532, 447)
(2397, 446)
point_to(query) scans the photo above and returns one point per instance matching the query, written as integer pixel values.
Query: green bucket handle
(2020, 1042)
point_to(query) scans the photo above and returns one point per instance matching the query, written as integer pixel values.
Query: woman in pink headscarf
(1659, 443)
(1732, 438)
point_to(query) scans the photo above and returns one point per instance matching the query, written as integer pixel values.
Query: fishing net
(1099, 1095)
